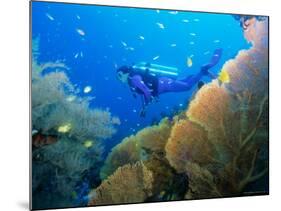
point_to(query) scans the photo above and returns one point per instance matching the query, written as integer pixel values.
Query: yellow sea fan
(224, 76)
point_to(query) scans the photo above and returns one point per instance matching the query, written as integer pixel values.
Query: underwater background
(87, 132)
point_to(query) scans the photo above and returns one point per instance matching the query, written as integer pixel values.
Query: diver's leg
(192, 79)
(169, 85)
(214, 60)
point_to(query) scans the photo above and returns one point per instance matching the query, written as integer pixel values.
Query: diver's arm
(137, 82)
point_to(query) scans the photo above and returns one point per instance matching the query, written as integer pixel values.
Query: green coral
(66, 120)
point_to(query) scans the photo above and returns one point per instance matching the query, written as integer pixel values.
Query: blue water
(102, 50)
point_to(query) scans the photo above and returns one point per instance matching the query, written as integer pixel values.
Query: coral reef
(222, 143)
(137, 147)
(128, 184)
(217, 147)
(62, 122)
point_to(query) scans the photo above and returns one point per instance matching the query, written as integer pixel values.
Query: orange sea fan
(210, 106)
(131, 149)
(129, 184)
(186, 142)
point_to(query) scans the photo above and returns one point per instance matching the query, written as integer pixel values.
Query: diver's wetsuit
(152, 86)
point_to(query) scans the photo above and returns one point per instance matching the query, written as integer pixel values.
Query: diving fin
(216, 57)
(214, 60)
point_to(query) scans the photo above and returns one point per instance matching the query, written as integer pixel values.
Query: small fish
(180, 105)
(78, 17)
(206, 53)
(34, 132)
(161, 25)
(81, 32)
(158, 11)
(196, 20)
(119, 98)
(224, 76)
(173, 12)
(88, 143)
(124, 44)
(141, 37)
(50, 17)
(192, 34)
(155, 58)
(189, 62)
(81, 54)
(185, 21)
(71, 98)
(138, 124)
(191, 43)
(173, 45)
(130, 48)
(87, 89)
(134, 110)
(216, 41)
(115, 65)
(76, 55)
(64, 128)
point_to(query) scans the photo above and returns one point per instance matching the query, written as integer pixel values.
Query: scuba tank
(156, 70)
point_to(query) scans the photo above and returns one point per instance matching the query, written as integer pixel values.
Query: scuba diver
(151, 80)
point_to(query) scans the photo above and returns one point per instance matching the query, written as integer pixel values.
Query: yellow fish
(189, 61)
(224, 76)
(64, 128)
(88, 143)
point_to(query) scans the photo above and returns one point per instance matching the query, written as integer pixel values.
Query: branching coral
(128, 184)
(62, 122)
(66, 162)
(222, 142)
(50, 109)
